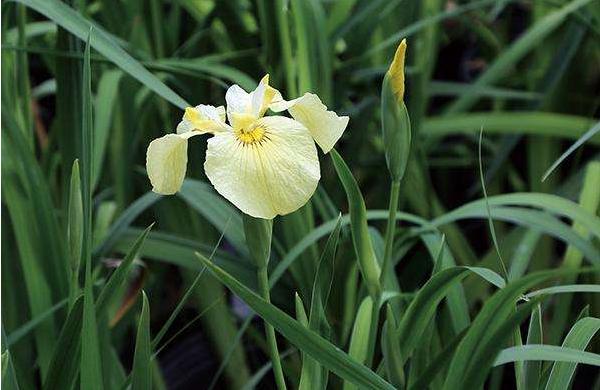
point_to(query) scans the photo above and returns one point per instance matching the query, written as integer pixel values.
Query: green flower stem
(263, 286)
(387, 266)
(390, 230)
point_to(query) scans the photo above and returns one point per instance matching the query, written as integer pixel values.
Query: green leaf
(76, 24)
(567, 289)
(124, 220)
(423, 307)
(26, 328)
(358, 225)
(171, 249)
(312, 375)
(526, 123)
(202, 66)
(9, 376)
(118, 277)
(548, 353)
(456, 300)
(75, 226)
(108, 88)
(66, 356)
(141, 377)
(306, 340)
(542, 221)
(532, 370)
(394, 364)
(448, 88)
(577, 339)
(437, 366)
(359, 341)
(492, 321)
(222, 215)
(527, 42)
(583, 139)
(489, 347)
(325, 229)
(91, 371)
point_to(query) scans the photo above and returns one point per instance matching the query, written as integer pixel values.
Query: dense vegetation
(487, 274)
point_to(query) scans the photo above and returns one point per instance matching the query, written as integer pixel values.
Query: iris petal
(326, 127)
(166, 162)
(203, 118)
(274, 175)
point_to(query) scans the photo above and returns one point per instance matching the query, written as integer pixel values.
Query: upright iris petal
(265, 166)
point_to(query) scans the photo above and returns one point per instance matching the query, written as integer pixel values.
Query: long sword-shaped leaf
(578, 338)
(91, 371)
(553, 353)
(141, 378)
(519, 49)
(116, 280)
(306, 340)
(79, 26)
(65, 358)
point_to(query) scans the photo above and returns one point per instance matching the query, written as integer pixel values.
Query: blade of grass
(359, 340)
(515, 52)
(578, 338)
(118, 277)
(79, 26)
(124, 220)
(519, 122)
(306, 340)
(589, 199)
(64, 364)
(106, 97)
(140, 372)
(547, 353)
(90, 369)
(533, 370)
(28, 327)
(583, 139)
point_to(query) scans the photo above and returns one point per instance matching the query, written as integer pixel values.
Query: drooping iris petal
(274, 171)
(166, 162)
(203, 118)
(326, 127)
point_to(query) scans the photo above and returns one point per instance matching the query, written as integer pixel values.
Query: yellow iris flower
(264, 165)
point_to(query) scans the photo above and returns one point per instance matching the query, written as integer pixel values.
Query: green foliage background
(92, 299)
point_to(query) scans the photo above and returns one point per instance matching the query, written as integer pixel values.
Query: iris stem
(263, 286)
(390, 230)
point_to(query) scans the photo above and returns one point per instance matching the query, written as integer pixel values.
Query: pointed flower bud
(396, 71)
(395, 122)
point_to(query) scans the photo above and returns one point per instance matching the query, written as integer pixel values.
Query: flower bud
(395, 122)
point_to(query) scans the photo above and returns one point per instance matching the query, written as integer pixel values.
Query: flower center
(251, 135)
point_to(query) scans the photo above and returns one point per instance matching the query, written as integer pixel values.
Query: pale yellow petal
(238, 102)
(204, 119)
(274, 172)
(396, 71)
(241, 104)
(326, 127)
(166, 162)
(262, 97)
